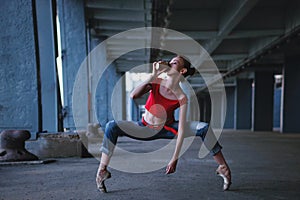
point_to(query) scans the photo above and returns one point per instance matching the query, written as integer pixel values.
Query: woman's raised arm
(146, 85)
(142, 89)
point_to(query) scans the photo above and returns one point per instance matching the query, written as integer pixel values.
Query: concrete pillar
(243, 104)
(217, 108)
(201, 106)
(102, 101)
(46, 29)
(230, 95)
(118, 95)
(204, 102)
(207, 109)
(110, 96)
(74, 49)
(110, 88)
(263, 101)
(19, 71)
(277, 107)
(101, 87)
(291, 95)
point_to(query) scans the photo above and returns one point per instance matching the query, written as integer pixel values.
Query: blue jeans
(137, 130)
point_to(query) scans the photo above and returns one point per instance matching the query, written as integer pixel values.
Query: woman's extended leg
(111, 134)
(211, 143)
(223, 170)
(113, 130)
(103, 173)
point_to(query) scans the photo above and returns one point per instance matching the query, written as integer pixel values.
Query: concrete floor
(264, 166)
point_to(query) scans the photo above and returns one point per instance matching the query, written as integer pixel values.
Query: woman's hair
(190, 70)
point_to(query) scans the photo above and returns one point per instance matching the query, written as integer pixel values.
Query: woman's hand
(171, 168)
(163, 68)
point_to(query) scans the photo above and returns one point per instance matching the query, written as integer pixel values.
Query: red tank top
(160, 106)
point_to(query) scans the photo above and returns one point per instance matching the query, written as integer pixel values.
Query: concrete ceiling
(240, 35)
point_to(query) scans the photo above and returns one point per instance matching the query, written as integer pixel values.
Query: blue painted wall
(104, 94)
(263, 101)
(277, 104)
(74, 49)
(243, 109)
(230, 97)
(291, 95)
(19, 96)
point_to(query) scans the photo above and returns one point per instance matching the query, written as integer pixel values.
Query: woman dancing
(165, 97)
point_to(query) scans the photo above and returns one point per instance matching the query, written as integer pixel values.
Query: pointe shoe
(225, 173)
(102, 175)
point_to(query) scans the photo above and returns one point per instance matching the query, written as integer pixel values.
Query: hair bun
(191, 71)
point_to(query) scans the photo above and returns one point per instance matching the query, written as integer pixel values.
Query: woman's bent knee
(202, 129)
(111, 125)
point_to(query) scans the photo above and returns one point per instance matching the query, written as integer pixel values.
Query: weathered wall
(19, 102)
(74, 48)
(104, 96)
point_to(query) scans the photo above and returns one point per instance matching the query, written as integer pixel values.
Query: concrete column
(74, 49)
(230, 95)
(243, 101)
(201, 106)
(110, 88)
(118, 97)
(46, 28)
(19, 71)
(291, 95)
(110, 96)
(263, 101)
(277, 107)
(113, 78)
(207, 109)
(204, 102)
(217, 108)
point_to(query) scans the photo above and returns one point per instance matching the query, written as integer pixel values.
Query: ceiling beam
(116, 4)
(292, 15)
(260, 43)
(204, 35)
(254, 33)
(229, 56)
(117, 15)
(128, 42)
(129, 57)
(136, 67)
(117, 25)
(196, 35)
(232, 15)
(109, 33)
(258, 55)
(206, 19)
